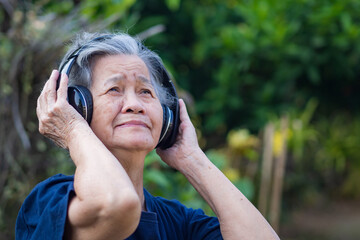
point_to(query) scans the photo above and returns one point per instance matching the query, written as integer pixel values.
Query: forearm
(238, 218)
(104, 193)
(105, 204)
(98, 172)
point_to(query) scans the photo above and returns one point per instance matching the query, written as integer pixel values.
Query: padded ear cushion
(170, 126)
(81, 99)
(167, 126)
(171, 138)
(170, 135)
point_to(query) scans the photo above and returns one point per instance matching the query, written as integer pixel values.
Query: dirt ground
(330, 221)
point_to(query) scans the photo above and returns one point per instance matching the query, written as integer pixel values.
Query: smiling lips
(133, 123)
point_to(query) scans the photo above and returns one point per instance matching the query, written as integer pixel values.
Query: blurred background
(272, 87)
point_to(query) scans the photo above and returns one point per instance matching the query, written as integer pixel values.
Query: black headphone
(81, 99)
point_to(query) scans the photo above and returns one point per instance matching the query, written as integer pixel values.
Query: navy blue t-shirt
(43, 215)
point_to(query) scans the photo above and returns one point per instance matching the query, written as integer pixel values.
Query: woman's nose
(132, 104)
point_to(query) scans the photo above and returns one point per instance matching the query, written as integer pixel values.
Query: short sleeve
(202, 226)
(176, 221)
(43, 213)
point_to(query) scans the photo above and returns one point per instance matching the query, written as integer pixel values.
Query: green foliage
(324, 154)
(340, 144)
(31, 43)
(161, 180)
(302, 133)
(246, 62)
(99, 8)
(238, 63)
(351, 187)
(173, 4)
(251, 59)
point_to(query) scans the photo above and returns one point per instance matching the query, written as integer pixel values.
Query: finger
(184, 116)
(53, 79)
(38, 107)
(44, 94)
(51, 87)
(62, 91)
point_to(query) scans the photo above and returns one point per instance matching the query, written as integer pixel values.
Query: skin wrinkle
(120, 78)
(110, 110)
(109, 175)
(131, 67)
(161, 92)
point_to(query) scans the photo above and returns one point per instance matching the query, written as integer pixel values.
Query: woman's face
(127, 113)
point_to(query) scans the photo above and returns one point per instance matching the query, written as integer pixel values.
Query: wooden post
(266, 169)
(279, 169)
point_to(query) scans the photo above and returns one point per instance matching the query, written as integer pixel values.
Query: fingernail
(53, 72)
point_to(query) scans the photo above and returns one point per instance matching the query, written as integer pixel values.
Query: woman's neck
(133, 163)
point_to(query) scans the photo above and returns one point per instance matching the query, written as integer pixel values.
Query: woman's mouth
(133, 123)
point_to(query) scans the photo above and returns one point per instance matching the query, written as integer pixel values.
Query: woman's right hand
(57, 118)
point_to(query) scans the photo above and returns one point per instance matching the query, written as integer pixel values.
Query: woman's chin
(137, 144)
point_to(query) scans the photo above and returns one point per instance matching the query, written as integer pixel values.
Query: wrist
(192, 161)
(77, 134)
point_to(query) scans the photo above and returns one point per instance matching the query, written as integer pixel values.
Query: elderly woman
(105, 198)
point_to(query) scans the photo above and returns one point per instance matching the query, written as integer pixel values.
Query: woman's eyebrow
(120, 78)
(114, 79)
(144, 80)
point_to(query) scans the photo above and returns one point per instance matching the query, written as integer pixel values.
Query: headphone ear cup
(171, 121)
(81, 99)
(167, 127)
(175, 122)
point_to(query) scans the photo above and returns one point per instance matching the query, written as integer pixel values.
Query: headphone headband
(81, 97)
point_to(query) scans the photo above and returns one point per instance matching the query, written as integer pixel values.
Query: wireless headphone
(81, 99)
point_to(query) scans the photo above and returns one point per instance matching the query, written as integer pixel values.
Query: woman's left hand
(57, 118)
(186, 145)
(244, 221)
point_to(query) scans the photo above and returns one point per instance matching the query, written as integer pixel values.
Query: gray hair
(113, 44)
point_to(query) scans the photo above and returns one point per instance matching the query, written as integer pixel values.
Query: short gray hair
(113, 44)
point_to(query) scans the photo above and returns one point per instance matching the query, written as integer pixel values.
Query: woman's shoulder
(43, 212)
(155, 202)
(57, 179)
(53, 183)
(171, 207)
(176, 218)
(54, 187)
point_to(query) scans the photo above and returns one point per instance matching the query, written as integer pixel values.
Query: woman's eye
(113, 89)
(146, 91)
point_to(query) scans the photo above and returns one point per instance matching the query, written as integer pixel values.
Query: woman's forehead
(117, 67)
(117, 62)
(119, 79)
